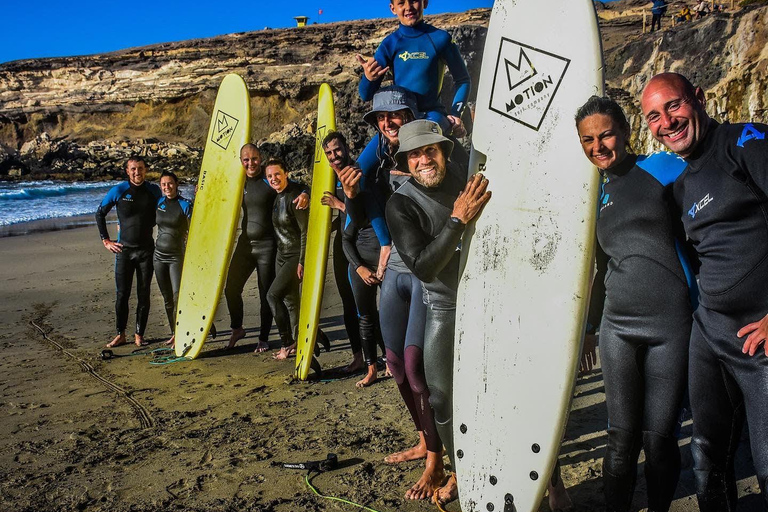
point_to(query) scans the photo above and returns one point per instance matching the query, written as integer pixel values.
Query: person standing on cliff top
(657, 11)
(135, 200)
(256, 248)
(723, 200)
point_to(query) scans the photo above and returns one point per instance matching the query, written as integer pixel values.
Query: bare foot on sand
(559, 501)
(238, 333)
(430, 480)
(369, 378)
(387, 371)
(119, 340)
(447, 493)
(261, 346)
(357, 363)
(417, 452)
(138, 339)
(171, 342)
(285, 353)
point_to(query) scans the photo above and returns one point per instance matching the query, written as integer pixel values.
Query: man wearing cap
(427, 217)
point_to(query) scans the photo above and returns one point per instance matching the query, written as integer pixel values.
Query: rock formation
(80, 117)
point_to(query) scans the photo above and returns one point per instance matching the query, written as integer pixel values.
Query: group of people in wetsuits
(677, 303)
(140, 206)
(679, 298)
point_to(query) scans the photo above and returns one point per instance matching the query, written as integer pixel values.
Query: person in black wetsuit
(426, 218)
(723, 202)
(642, 302)
(290, 225)
(337, 152)
(172, 217)
(135, 200)
(256, 248)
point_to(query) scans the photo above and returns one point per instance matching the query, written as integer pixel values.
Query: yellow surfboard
(214, 218)
(318, 236)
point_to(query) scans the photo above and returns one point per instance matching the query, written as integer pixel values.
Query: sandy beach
(81, 433)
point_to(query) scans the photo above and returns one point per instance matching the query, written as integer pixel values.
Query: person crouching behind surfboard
(643, 333)
(427, 217)
(290, 225)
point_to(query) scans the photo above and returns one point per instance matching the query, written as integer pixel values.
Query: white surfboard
(527, 263)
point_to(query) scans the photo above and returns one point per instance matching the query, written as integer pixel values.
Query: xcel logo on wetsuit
(406, 56)
(749, 133)
(696, 208)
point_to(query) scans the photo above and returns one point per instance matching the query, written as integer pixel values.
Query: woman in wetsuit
(290, 225)
(172, 218)
(642, 302)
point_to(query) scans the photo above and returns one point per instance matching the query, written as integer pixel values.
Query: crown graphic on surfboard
(224, 129)
(525, 82)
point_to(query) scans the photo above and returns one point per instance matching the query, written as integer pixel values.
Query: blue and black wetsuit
(172, 217)
(290, 226)
(417, 57)
(256, 250)
(136, 219)
(341, 276)
(642, 300)
(724, 208)
(427, 240)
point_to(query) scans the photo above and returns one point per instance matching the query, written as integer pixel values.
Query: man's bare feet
(449, 492)
(369, 378)
(261, 346)
(139, 340)
(357, 363)
(238, 333)
(171, 342)
(284, 353)
(559, 501)
(417, 452)
(119, 340)
(430, 480)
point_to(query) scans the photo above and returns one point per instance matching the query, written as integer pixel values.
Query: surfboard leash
(308, 480)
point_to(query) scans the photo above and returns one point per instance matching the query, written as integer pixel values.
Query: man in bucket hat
(427, 217)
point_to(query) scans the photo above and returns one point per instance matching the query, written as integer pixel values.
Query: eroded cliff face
(166, 92)
(82, 116)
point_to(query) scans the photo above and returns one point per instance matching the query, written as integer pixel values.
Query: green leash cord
(169, 360)
(333, 498)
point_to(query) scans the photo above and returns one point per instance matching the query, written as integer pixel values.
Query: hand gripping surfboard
(318, 237)
(214, 218)
(527, 262)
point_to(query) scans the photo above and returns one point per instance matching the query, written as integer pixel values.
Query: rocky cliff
(82, 116)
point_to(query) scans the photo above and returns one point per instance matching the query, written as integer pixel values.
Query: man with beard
(722, 196)
(426, 217)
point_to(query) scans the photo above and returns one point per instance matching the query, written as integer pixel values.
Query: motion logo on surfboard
(525, 82)
(225, 129)
(322, 131)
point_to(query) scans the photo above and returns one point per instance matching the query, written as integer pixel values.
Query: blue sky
(50, 28)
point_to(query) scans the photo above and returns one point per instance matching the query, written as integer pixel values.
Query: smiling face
(389, 124)
(427, 165)
(276, 177)
(251, 160)
(603, 140)
(675, 113)
(136, 171)
(169, 186)
(408, 12)
(337, 154)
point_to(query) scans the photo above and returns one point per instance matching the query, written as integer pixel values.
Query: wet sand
(81, 433)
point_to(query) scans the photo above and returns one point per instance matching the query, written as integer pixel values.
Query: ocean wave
(38, 190)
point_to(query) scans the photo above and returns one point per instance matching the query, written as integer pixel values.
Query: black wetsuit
(136, 219)
(362, 249)
(256, 249)
(643, 283)
(341, 276)
(291, 231)
(722, 197)
(427, 240)
(172, 217)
